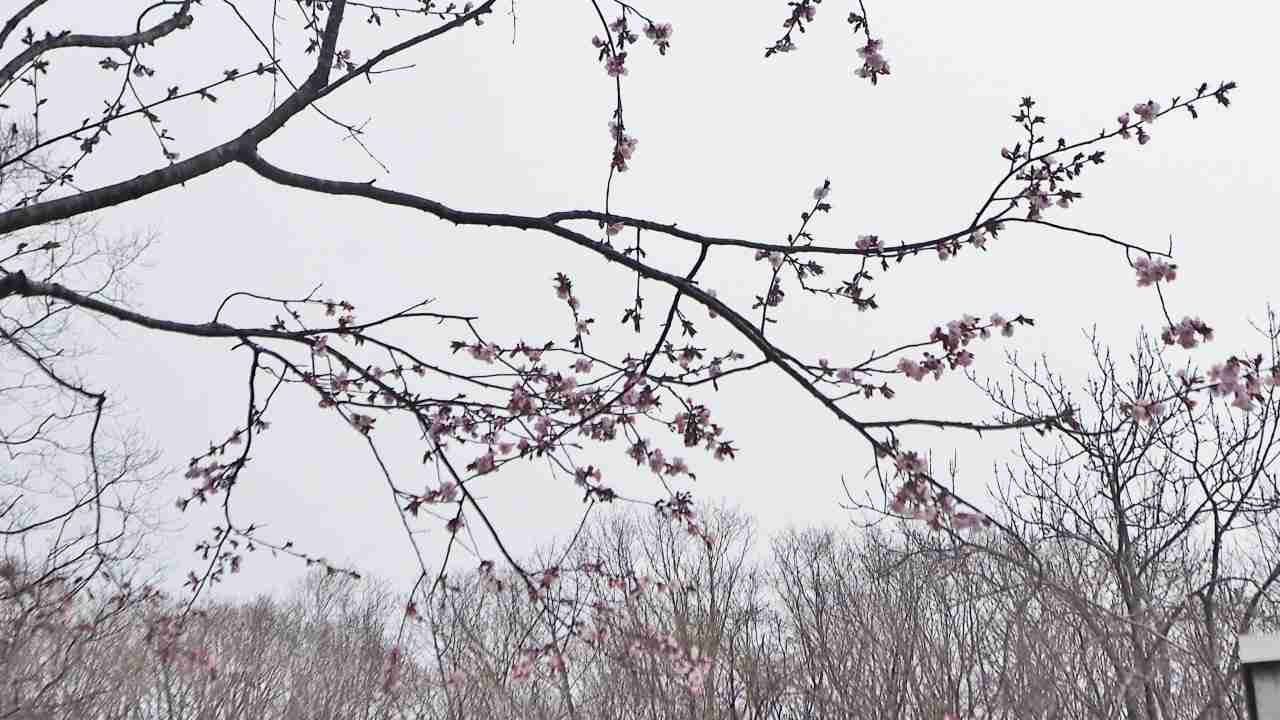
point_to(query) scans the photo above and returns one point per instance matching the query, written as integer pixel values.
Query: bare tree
(77, 483)
(1149, 521)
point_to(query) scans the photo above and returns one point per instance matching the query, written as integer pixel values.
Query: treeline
(814, 624)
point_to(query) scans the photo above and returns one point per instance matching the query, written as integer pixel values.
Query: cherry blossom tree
(481, 403)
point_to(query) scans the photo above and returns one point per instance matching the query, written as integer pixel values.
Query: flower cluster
(1153, 270)
(660, 34)
(917, 499)
(849, 376)
(776, 259)
(624, 145)
(1144, 412)
(447, 492)
(954, 338)
(347, 315)
(363, 423)
(1188, 333)
(1241, 380)
(868, 242)
(873, 63)
(216, 475)
(697, 429)
(1147, 113)
(1045, 173)
(679, 509)
(1237, 379)
(616, 64)
(802, 11)
(613, 54)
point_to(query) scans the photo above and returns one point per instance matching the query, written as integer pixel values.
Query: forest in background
(817, 623)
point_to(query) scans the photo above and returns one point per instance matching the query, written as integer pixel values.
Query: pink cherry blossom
(1226, 377)
(660, 34)
(1153, 270)
(725, 451)
(485, 463)
(363, 423)
(447, 492)
(1145, 412)
(582, 476)
(624, 146)
(775, 258)
(1147, 110)
(615, 64)
(873, 62)
(912, 369)
(485, 352)
(657, 462)
(1188, 333)
(639, 451)
(715, 369)
(909, 463)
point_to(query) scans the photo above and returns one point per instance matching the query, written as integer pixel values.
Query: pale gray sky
(730, 144)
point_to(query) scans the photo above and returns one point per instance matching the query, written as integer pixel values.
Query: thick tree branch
(196, 165)
(16, 19)
(180, 19)
(19, 284)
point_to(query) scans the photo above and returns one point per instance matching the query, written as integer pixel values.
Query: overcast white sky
(730, 144)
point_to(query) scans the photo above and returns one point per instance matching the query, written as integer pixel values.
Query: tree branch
(196, 165)
(179, 20)
(17, 19)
